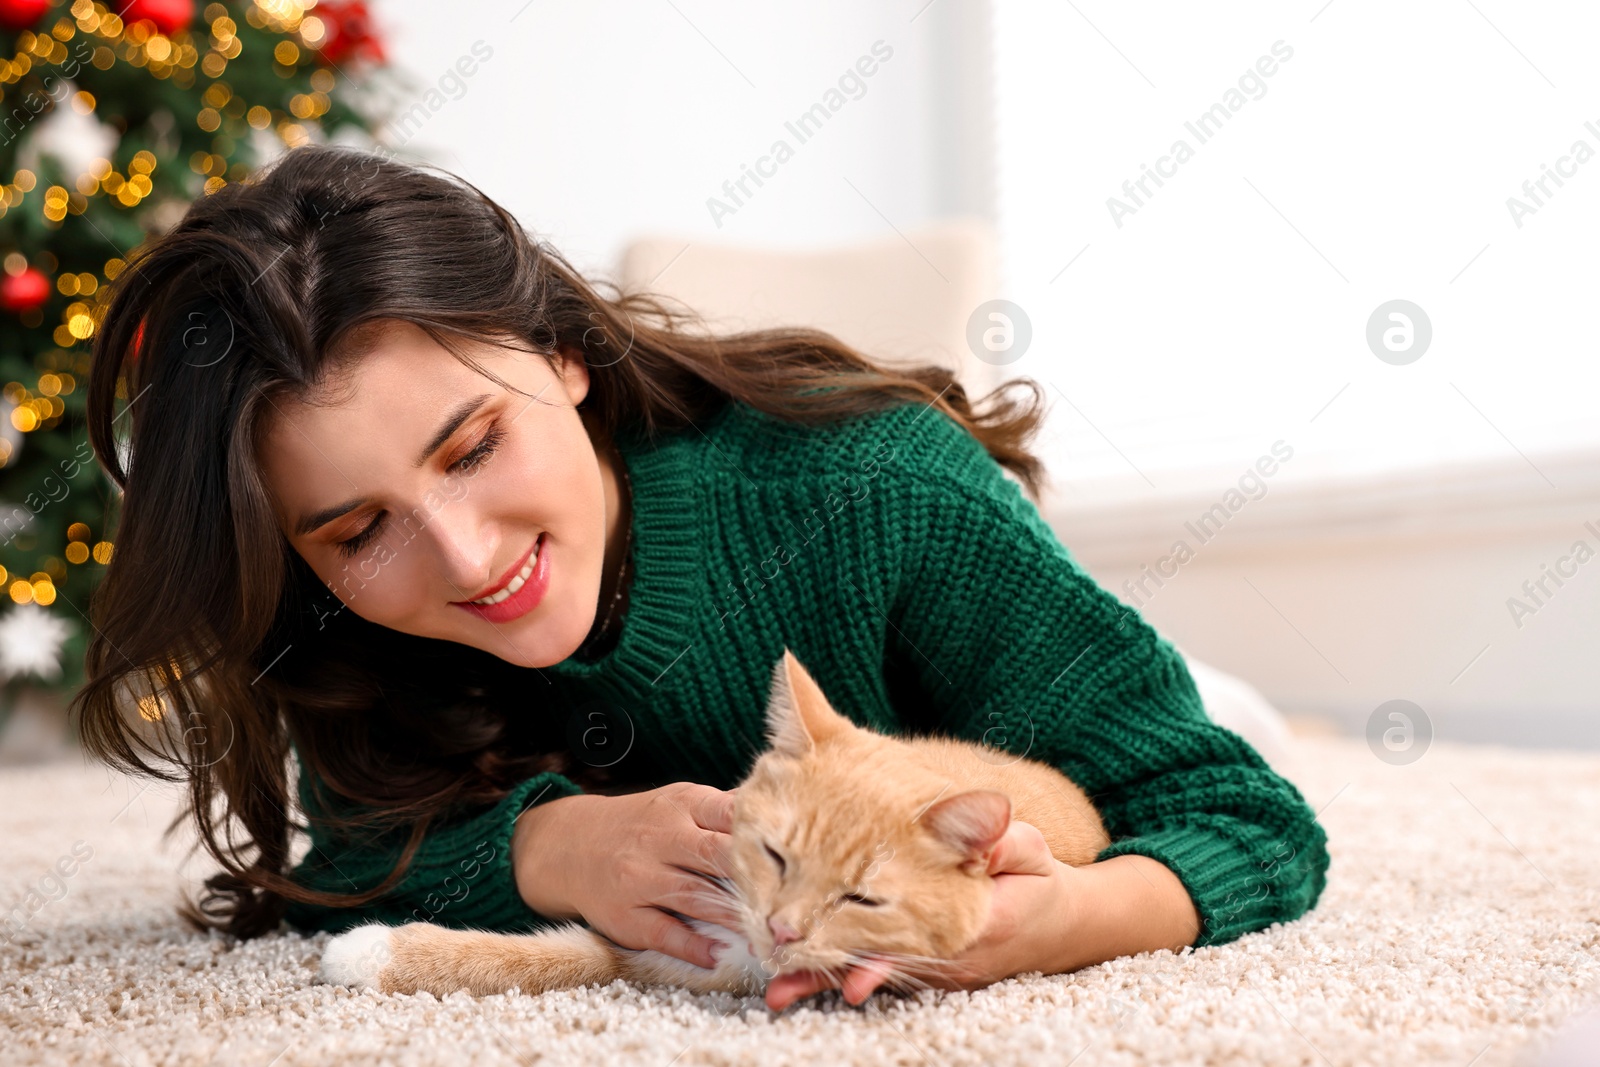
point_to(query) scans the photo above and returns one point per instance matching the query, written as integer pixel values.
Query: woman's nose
(466, 552)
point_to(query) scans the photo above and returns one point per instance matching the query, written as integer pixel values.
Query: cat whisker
(900, 958)
(714, 883)
(713, 898)
(853, 960)
(923, 961)
(836, 974)
(900, 978)
(911, 972)
(901, 982)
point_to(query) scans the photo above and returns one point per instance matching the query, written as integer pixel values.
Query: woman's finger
(785, 989)
(1021, 850)
(691, 895)
(859, 983)
(713, 810)
(706, 851)
(700, 852)
(864, 978)
(666, 934)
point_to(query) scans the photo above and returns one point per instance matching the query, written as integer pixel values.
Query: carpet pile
(1460, 925)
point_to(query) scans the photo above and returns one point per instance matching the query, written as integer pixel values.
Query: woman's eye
(483, 451)
(777, 859)
(355, 544)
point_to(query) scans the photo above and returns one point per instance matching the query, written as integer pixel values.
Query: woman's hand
(1030, 912)
(621, 863)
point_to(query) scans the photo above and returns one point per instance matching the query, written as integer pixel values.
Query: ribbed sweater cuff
(1234, 891)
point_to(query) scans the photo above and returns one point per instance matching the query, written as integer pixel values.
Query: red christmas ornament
(348, 31)
(25, 291)
(170, 16)
(21, 14)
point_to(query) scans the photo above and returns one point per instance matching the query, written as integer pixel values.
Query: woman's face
(416, 486)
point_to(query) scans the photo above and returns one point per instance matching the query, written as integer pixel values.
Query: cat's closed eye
(857, 898)
(782, 866)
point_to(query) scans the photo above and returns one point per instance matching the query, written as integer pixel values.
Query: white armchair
(897, 299)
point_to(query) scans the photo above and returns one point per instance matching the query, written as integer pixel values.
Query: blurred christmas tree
(113, 118)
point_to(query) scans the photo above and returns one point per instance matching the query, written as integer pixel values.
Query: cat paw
(357, 957)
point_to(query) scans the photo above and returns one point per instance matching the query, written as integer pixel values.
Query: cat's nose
(782, 932)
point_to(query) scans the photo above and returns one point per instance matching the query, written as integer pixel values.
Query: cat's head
(843, 846)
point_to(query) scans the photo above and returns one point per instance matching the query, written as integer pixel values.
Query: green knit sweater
(925, 594)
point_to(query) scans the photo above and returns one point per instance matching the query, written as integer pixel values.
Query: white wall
(596, 122)
(1364, 153)
(1368, 153)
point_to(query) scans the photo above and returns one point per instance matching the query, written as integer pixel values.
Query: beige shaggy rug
(1461, 925)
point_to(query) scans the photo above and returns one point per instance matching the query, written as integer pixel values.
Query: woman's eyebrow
(459, 414)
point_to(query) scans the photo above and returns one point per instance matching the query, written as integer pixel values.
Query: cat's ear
(972, 823)
(799, 717)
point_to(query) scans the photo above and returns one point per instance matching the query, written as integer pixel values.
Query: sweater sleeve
(460, 875)
(1019, 648)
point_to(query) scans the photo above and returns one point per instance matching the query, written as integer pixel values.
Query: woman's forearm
(1119, 907)
(540, 856)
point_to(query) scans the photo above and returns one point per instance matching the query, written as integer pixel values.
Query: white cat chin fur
(739, 970)
(736, 954)
(356, 958)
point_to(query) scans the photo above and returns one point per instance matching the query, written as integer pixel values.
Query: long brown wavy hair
(260, 293)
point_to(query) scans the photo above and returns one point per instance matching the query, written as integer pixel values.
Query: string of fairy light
(142, 45)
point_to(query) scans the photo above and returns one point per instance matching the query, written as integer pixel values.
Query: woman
(503, 565)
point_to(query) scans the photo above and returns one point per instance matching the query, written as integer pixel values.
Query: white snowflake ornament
(30, 642)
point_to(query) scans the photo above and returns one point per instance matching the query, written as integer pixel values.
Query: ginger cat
(845, 843)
